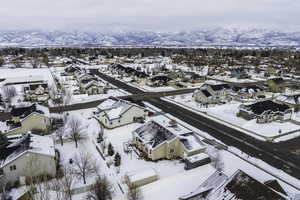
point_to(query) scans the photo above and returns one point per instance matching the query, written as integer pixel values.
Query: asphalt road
(268, 152)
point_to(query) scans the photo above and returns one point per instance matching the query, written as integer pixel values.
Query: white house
(27, 156)
(115, 112)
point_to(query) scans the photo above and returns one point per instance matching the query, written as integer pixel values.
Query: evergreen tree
(117, 160)
(110, 150)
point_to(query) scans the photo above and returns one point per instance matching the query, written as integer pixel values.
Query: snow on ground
(68, 150)
(158, 89)
(227, 113)
(177, 185)
(130, 162)
(88, 98)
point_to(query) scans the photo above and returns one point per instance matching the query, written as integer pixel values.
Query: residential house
(193, 77)
(92, 87)
(27, 156)
(37, 92)
(83, 76)
(265, 111)
(276, 84)
(212, 93)
(292, 100)
(203, 96)
(240, 186)
(115, 112)
(239, 73)
(162, 138)
(29, 118)
(247, 92)
(159, 80)
(70, 70)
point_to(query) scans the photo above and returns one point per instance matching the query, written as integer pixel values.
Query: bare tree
(42, 189)
(60, 134)
(76, 130)
(68, 181)
(35, 63)
(3, 188)
(56, 186)
(216, 159)
(101, 190)
(17, 63)
(2, 61)
(67, 96)
(9, 93)
(85, 166)
(134, 193)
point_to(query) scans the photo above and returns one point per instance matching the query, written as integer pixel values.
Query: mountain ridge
(207, 37)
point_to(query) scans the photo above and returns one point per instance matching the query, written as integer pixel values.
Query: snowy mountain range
(208, 37)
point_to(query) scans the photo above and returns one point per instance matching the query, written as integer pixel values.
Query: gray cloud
(156, 15)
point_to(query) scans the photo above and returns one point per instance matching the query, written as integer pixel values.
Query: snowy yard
(130, 163)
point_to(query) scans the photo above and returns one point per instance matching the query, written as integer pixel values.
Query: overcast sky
(154, 15)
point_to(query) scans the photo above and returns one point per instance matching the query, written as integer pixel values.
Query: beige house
(205, 97)
(30, 118)
(212, 93)
(115, 112)
(28, 157)
(162, 138)
(92, 87)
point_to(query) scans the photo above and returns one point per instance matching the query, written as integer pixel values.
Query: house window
(111, 123)
(172, 150)
(12, 167)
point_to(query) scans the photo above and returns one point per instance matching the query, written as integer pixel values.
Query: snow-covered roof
(24, 79)
(197, 157)
(141, 175)
(34, 144)
(114, 108)
(239, 186)
(161, 129)
(290, 99)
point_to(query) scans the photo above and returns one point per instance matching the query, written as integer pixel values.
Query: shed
(197, 160)
(141, 177)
